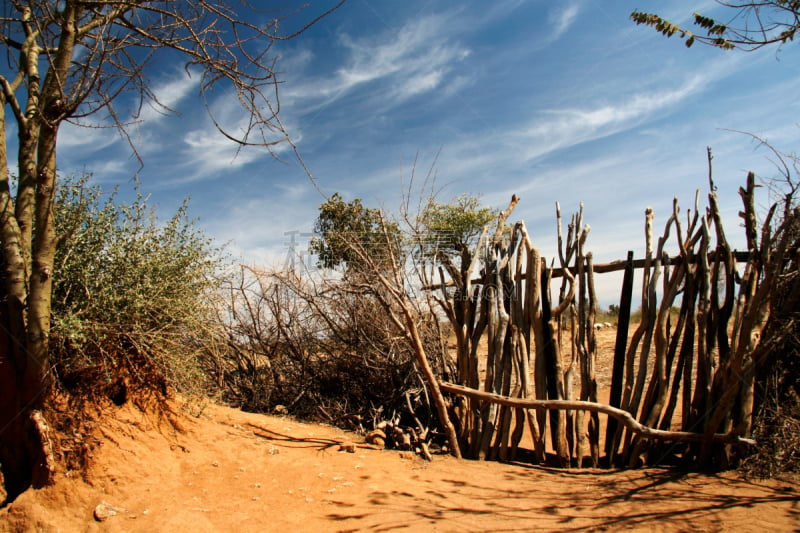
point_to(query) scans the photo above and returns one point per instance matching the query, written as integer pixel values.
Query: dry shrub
(320, 349)
(777, 420)
(776, 424)
(777, 430)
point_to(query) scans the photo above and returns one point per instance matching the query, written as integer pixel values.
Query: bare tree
(72, 61)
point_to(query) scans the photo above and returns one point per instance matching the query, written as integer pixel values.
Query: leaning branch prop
(623, 417)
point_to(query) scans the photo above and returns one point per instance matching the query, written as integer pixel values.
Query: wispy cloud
(557, 129)
(561, 18)
(255, 225)
(72, 137)
(205, 151)
(210, 152)
(146, 127)
(414, 59)
(169, 92)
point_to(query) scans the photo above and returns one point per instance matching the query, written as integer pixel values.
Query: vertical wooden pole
(620, 348)
(590, 378)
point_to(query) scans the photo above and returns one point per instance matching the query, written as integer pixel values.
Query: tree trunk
(25, 450)
(37, 378)
(25, 455)
(19, 453)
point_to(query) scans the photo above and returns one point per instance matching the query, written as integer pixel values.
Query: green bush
(131, 297)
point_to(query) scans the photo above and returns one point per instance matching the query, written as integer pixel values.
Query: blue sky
(564, 101)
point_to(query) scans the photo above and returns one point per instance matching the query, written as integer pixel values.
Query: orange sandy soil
(232, 471)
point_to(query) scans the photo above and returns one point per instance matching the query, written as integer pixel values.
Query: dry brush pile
(322, 348)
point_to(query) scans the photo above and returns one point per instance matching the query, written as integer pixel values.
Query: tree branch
(623, 416)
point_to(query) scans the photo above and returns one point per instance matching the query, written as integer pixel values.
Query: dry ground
(226, 470)
(233, 471)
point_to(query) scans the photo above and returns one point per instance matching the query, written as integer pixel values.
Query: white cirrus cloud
(414, 59)
(169, 92)
(207, 152)
(83, 140)
(561, 19)
(556, 129)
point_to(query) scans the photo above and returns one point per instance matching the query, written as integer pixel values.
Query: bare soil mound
(232, 471)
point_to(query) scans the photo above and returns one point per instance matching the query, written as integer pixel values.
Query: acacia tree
(454, 227)
(340, 224)
(451, 230)
(749, 26)
(74, 61)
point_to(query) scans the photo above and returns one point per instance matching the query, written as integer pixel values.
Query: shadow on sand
(539, 499)
(290, 441)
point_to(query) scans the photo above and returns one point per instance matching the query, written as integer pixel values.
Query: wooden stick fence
(700, 360)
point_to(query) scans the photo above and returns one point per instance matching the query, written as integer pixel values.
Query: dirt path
(234, 471)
